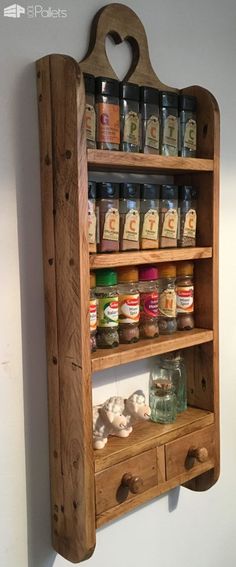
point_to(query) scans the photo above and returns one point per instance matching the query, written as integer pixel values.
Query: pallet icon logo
(14, 11)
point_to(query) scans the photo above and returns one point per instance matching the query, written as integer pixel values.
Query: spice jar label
(131, 227)
(108, 123)
(92, 225)
(108, 312)
(190, 135)
(190, 223)
(150, 225)
(167, 303)
(152, 132)
(111, 225)
(90, 121)
(149, 304)
(131, 128)
(129, 308)
(170, 134)
(93, 315)
(185, 299)
(170, 223)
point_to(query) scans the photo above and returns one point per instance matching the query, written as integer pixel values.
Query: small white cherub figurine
(136, 408)
(109, 419)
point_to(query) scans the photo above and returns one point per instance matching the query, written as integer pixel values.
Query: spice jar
(108, 217)
(90, 114)
(162, 401)
(149, 98)
(129, 216)
(93, 312)
(92, 219)
(149, 218)
(129, 117)
(188, 126)
(169, 123)
(168, 216)
(187, 216)
(185, 296)
(108, 113)
(167, 299)
(171, 367)
(148, 288)
(107, 295)
(129, 309)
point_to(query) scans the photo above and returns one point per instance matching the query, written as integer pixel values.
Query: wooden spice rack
(86, 486)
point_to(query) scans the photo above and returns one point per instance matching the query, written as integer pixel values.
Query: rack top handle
(121, 23)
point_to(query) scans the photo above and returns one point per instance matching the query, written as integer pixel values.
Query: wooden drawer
(113, 487)
(194, 451)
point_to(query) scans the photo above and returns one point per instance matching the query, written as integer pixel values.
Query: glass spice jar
(185, 296)
(129, 117)
(92, 218)
(90, 114)
(148, 288)
(108, 217)
(108, 113)
(162, 401)
(168, 216)
(129, 305)
(187, 216)
(93, 312)
(174, 366)
(167, 299)
(149, 216)
(129, 216)
(107, 295)
(149, 98)
(169, 123)
(187, 126)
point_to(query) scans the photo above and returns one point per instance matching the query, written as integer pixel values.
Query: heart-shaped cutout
(120, 56)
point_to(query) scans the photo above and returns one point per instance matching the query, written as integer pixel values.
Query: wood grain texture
(178, 453)
(150, 435)
(98, 261)
(105, 358)
(199, 364)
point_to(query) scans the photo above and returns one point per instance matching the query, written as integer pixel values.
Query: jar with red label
(107, 296)
(108, 217)
(185, 296)
(93, 312)
(129, 216)
(167, 299)
(148, 288)
(108, 113)
(129, 305)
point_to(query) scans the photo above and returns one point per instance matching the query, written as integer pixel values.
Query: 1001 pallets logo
(33, 11)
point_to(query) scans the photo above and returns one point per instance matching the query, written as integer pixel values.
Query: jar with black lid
(108, 217)
(188, 126)
(149, 98)
(168, 216)
(90, 114)
(129, 216)
(187, 216)
(169, 123)
(129, 117)
(149, 216)
(108, 113)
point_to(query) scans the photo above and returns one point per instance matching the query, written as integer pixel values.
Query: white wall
(190, 43)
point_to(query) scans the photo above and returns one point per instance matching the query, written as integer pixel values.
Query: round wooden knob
(200, 453)
(134, 483)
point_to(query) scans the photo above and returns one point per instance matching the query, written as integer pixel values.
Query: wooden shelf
(98, 261)
(147, 435)
(105, 358)
(103, 160)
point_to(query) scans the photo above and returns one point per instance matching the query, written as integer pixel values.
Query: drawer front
(194, 451)
(126, 480)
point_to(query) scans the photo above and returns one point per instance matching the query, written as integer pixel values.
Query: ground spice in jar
(129, 216)
(169, 123)
(187, 216)
(167, 299)
(148, 288)
(188, 126)
(108, 217)
(129, 117)
(90, 114)
(129, 305)
(92, 218)
(93, 312)
(107, 295)
(149, 217)
(149, 98)
(108, 113)
(168, 216)
(185, 296)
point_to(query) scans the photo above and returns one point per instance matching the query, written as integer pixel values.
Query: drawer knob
(199, 454)
(134, 483)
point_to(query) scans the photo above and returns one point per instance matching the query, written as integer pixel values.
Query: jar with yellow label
(168, 216)
(185, 296)
(129, 117)
(90, 114)
(107, 296)
(93, 312)
(129, 305)
(108, 217)
(129, 216)
(149, 217)
(167, 299)
(187, 216)
(169, 123)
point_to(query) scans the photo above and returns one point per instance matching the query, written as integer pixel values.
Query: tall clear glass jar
(162, 400)
(169, 123)
(174, 366)
(108, 218)
(187, 216)
(167, 299)
(107, 295)
(148, 288)
(168, 216)
(129, 117)
(188, 126)
(129, 305)
(149, 217)
(185, 296)
(129, 216)
(149, 98)
(108, 113)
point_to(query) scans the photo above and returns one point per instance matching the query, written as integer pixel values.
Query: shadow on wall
(40, 552)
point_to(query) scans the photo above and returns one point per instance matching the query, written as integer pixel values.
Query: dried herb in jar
(107, 295)
(169, 123)
(149, 218)
(90, 114)
(108, 113)
(149, 98)
(129, 117)
(148, 288)
(108, 217)
(129, 216)
(168, 216)
(188, 126)
(187, 216)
